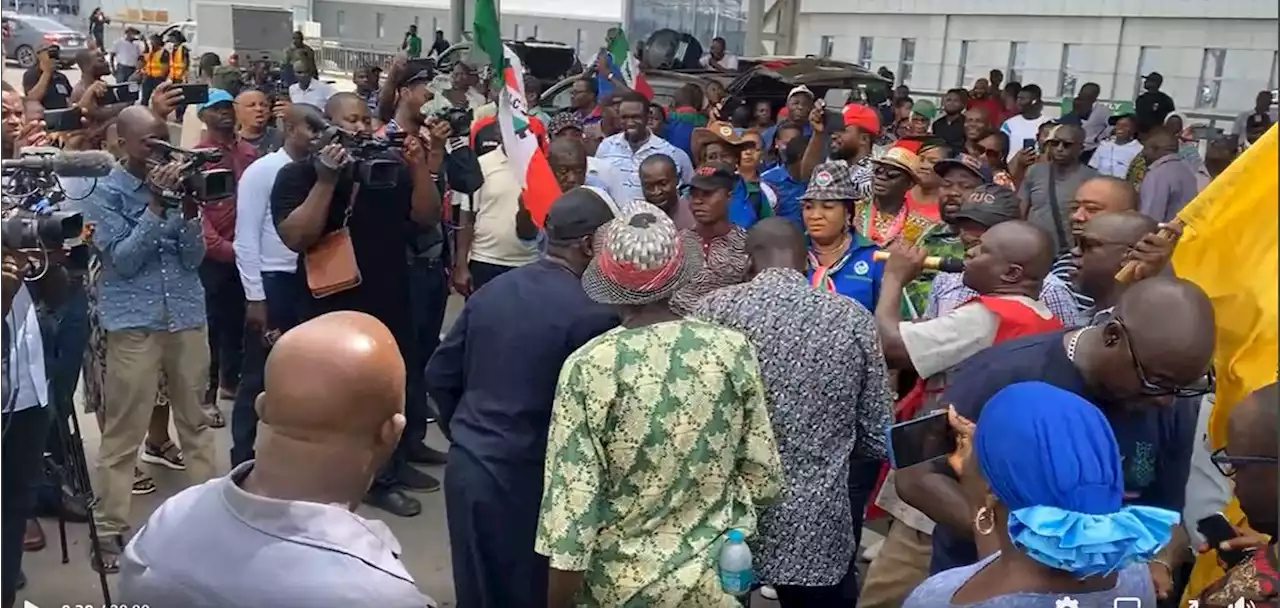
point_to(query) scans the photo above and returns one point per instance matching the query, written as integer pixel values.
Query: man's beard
(839, 153)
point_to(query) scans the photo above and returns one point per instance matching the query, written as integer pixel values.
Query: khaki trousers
(134, 360)
(901, 565)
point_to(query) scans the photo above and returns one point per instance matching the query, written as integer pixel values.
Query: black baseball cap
(577, 213)
(989, 205)
(714, 176)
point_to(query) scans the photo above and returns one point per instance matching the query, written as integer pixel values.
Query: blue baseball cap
(216, 96)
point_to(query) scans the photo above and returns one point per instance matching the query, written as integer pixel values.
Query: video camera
(459, 119)
(371, 168)
(202, 185)
(32, 188)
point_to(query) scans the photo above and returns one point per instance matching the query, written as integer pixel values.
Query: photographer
(88, 95)
(43, 81)
(152, 309)
(315, 199)
(24, 418)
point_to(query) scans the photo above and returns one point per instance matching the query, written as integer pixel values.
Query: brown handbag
(331, 262)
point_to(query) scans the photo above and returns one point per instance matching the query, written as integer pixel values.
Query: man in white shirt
(488, 238)
(269, 273)
(308, 90)
(624, 151)
(1027, 123)
(24, 418)
(1114, 155)
(717, 59)
(125, 54)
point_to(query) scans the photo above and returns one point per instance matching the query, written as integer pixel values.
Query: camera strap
(1057, 213)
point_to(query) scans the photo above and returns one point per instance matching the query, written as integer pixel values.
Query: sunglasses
(887, 172)
(1202, 386)
(1226, 463)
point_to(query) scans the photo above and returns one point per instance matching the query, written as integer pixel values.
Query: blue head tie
(1051, 458)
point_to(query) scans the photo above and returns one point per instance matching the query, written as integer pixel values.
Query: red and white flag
(520, 141)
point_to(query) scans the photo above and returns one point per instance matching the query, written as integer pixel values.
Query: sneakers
(165, 455)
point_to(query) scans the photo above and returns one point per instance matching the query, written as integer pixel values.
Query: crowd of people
(711, 329)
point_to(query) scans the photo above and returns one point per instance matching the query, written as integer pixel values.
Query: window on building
(1275, 72)
(342, 23)
(1067, 80)
(535, 32)
(906, 60)
(964, 61)
(518, 32)
(826, 46)
(1211, 77)
(417, 23)
(581, 44)
(1146, 65)
(379, 19)
(1017, 62)
(865, 45)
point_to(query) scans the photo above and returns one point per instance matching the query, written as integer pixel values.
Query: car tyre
(26, 56)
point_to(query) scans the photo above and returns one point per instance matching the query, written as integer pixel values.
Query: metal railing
(339, 59)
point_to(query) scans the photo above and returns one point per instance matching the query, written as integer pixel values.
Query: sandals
(105, 557)
(166, 455)
(216, 419)
(142, 483)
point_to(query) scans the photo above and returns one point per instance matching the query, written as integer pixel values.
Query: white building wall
(1062, 44)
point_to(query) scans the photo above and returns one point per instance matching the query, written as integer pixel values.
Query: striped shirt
(1064, 268)
(948, 291)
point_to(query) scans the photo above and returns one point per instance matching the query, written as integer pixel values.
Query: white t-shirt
(1113, 158)
(316, 95)
(729, 62)
(127, 52)
(495, 205)
(1019, 128)
(939, 344)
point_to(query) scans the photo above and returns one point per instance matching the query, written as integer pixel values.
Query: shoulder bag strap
(1057, 213)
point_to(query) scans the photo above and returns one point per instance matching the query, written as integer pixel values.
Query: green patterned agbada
(660, 442)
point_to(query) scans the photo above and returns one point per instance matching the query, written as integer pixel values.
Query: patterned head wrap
(641, 259)
(1051, 458)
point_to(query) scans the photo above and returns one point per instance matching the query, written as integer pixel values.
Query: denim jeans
(429, 295)
(285, 298)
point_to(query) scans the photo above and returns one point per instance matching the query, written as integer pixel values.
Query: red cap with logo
(863, 117)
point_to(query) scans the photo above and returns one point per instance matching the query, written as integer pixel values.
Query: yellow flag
(1229, 249)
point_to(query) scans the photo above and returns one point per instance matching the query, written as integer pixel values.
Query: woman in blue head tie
(1042, 471)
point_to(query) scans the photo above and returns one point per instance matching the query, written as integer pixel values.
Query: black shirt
(951, 131)
(57, 96)
(1155, 442)
(1151, 108)
(380, 226)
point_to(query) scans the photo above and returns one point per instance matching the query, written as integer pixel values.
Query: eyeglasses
(1227, 463)
(1202, 386)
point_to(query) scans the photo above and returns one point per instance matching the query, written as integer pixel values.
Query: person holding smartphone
(43, 81)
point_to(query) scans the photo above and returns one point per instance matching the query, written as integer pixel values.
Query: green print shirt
(660, 442)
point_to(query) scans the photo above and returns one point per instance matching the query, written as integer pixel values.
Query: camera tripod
(70, 469)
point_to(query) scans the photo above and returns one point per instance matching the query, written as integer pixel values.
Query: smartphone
(1216, 529)
(1029, 144)
(66, 119)
(920, 440)
(194, 93)
(120, 93)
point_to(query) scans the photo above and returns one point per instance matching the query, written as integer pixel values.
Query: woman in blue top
(751, 200)
(840, 260)
(1043, 468)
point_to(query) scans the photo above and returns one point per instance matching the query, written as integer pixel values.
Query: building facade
(1215, 55)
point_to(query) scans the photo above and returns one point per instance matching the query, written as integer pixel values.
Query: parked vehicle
(26, 34)
(546, 61)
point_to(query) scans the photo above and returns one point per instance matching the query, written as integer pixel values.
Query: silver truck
(252, 32)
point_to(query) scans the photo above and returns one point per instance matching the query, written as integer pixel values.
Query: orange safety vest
(153, 64)
(178, 63)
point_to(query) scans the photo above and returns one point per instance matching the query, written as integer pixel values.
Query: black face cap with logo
(714, 176)
(576, 214)
(989, 205)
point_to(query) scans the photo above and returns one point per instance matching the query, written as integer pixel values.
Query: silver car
(26, 34)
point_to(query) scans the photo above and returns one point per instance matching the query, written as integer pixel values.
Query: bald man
(832, 392)
(274, 292)
(281, 530)
(1158, 346)
(1046, 191)
(152, 308)
(1169, 183)
(1100, 251)
(253, 122)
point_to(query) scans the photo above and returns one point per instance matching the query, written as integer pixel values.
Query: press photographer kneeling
(351, 237)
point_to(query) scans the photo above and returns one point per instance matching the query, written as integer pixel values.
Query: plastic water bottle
(735, 565)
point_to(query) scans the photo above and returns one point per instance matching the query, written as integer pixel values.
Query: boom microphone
(87, 163)
(932, 262)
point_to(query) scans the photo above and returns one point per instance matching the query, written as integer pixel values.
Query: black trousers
(492, 513)
(24, 433)
(429, 297)
(149, 84)
(795, 596)
(863, 474)
(224, 306)
(285, 298)
(483, 272)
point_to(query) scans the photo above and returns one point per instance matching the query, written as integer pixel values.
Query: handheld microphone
(87, 163)
(932, 262)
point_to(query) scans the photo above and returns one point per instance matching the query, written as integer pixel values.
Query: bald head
(135, 120)
(1251, 437)
(1255, 419)
(1171, 323)
(338, 378)
(1022, 243)
(775, 242)
(1121, 226)
(568, 151)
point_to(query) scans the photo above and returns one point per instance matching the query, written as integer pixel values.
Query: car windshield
(46, 25)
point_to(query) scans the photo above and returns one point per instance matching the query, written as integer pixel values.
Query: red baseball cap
(863, 117)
